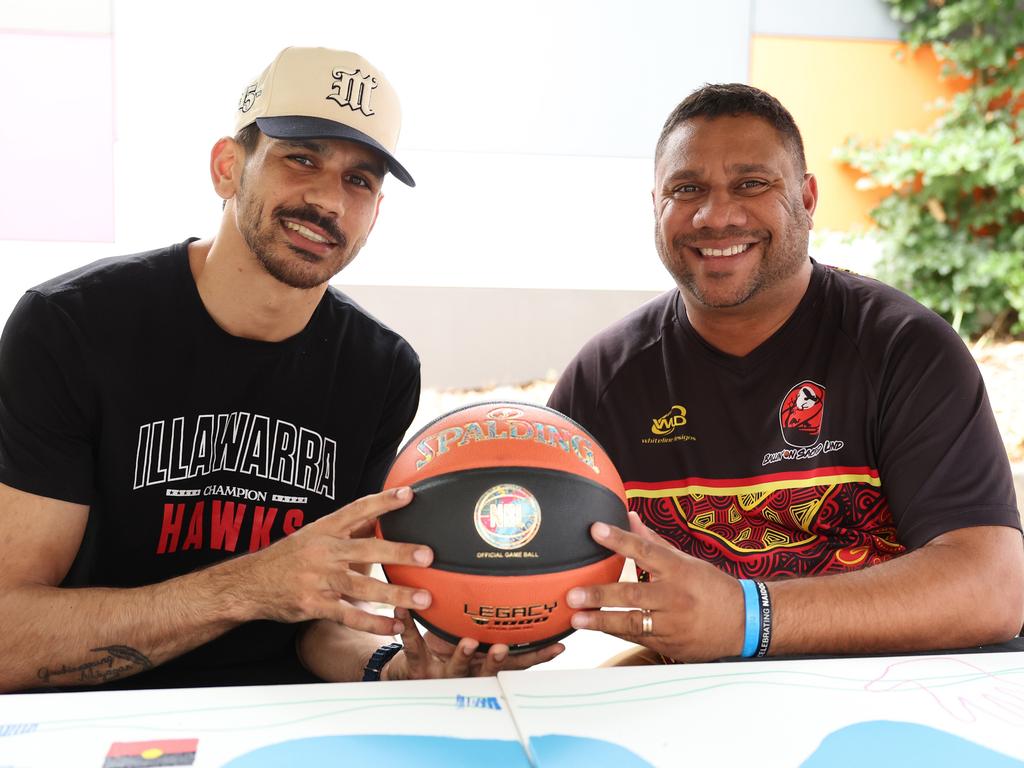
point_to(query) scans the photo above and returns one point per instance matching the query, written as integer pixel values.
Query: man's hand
(431, 657)
(89, 635)
(63, 633)
(697, 611)
(962, 589)
(338, 653)
(316, 572)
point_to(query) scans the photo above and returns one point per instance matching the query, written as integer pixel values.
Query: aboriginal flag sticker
(133, 754)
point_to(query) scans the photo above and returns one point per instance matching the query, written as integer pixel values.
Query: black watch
(381, 656)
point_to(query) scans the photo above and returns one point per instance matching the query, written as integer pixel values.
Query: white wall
(528, 125)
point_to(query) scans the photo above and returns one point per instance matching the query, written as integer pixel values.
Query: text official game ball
(505, 494)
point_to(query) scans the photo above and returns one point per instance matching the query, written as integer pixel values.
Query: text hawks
(250, 444)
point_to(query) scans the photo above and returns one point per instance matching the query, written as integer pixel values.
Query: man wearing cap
(192, 439)
(810, 458)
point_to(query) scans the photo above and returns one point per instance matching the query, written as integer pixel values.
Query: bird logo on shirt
(801, 413)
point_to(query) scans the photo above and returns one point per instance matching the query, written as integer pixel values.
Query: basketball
(505, 494)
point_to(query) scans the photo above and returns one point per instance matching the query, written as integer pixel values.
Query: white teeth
(731, 251)
(306, 232)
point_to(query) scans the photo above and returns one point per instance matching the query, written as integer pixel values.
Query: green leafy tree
(953, 227)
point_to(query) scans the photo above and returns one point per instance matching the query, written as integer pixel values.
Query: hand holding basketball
(429, 657)
(505, 494)
(695, 610)
(314, 574)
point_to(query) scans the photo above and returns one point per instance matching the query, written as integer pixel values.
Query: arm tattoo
(116, 662)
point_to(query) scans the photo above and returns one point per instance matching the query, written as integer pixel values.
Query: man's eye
(686, 189)
(301, 160)
(359, 181)
(752, 184)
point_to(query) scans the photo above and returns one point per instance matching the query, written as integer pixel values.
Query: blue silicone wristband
(752, 626)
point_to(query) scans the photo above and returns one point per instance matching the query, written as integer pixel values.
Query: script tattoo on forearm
(116, 662)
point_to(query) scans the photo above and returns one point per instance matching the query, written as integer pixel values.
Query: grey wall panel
(825, 18)
(475, 337)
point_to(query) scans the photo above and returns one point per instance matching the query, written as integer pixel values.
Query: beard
(782, 258)
(296, 268)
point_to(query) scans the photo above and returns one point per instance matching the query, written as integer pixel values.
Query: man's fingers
(494, 661)
(353, 617)
(459, 663)
(649, 553)
(360, 587)
(530, 658)
(365, 530)
(415, 650)
(622, 594)
(380, 551)
(438, 646)
(355, 515)
(627, 625)
(636, 526)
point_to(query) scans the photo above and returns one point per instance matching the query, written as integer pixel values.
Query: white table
(946, 710)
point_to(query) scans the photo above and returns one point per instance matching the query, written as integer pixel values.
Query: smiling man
(193, 439)
(831, 479)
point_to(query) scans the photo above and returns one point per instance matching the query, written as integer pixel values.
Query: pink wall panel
(57, 137)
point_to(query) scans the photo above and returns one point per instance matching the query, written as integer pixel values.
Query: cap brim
(300, 127)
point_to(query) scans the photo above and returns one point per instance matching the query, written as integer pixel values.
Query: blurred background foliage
(952, 228)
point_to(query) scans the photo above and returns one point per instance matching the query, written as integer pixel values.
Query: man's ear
(227, 160)
(809, 195)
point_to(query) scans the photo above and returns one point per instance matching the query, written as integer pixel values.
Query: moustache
(729, 233)
(313, 216)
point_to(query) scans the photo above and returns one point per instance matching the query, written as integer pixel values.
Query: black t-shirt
(191, 445)
(860, 429)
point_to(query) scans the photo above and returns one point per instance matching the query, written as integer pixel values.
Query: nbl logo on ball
(507, 516)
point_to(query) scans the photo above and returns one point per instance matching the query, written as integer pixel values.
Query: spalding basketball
(505, 494)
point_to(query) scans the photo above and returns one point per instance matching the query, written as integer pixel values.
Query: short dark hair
(249, 138)
(734, 100)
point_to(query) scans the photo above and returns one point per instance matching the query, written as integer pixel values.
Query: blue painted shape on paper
(386, 751)
(559, 751)
(889, 744)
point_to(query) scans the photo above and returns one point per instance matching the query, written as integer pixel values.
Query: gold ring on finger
(646, 622)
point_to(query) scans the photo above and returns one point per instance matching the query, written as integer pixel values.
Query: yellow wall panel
(840, 88)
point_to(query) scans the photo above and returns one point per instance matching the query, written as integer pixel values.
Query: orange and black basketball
(505, 494)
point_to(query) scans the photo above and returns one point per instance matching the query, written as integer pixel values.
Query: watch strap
(380, 657)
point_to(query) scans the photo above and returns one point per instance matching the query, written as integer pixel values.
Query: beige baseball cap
(319, 93)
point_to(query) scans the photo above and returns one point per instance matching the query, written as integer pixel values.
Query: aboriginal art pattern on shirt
(775, 525)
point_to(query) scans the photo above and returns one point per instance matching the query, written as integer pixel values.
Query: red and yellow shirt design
(827, 520)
